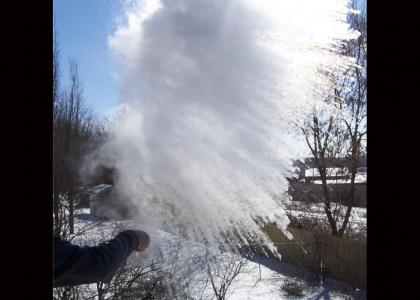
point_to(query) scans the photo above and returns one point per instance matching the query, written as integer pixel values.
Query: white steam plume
(210, 89)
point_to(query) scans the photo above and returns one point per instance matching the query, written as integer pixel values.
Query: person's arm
(75, 265)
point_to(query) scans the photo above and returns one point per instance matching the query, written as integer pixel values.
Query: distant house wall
(99, 202)
(310, 192)
(102, 175)
(304, 189)
(309, 163)
(106, 204)
(83, 201)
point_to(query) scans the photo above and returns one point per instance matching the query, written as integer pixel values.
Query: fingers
(143, 238)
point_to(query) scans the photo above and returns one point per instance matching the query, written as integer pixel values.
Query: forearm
(81, 265)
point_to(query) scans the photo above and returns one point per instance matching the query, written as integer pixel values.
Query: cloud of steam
(209, 91)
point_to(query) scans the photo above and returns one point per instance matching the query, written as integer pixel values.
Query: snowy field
(259, 278)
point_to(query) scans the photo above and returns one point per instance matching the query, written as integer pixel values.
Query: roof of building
(97, 189)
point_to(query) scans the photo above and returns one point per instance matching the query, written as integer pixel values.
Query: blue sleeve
(74, 265)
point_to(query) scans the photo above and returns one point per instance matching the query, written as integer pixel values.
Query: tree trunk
(57, 222)
(350, 201)
(327, 200)
(71, 210)
(100, 291)
(327, 209)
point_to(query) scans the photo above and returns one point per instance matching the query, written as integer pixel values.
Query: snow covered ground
(357, 213)
(260, 278)
(315, 211)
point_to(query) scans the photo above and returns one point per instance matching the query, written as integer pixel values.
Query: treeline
(76, 132)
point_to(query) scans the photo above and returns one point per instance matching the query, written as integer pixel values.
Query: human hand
(143, 238)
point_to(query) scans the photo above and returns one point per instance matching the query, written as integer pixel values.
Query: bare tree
(75, 129)
(222, 271)
(341, 133)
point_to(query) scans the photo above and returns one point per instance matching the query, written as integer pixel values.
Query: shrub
(293, 287)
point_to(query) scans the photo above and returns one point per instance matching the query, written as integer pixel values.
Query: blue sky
(82, 28)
